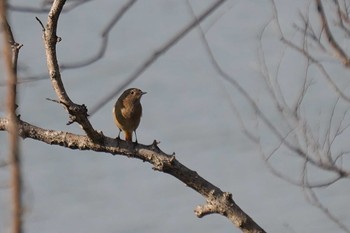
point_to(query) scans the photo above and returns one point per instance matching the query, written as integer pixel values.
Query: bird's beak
(142, 92)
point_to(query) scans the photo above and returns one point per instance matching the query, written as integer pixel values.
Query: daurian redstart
(127, 112)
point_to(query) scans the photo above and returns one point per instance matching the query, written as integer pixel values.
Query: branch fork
(77, 113)
(215, 204)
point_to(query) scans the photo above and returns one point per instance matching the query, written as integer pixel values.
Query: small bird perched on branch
(127, 112)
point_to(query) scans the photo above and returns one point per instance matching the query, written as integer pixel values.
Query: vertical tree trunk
(10, 52)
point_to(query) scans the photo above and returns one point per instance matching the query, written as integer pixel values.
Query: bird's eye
(132, 92)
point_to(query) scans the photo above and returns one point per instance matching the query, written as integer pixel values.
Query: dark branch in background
(104, 42)
(339, 52)
(10, 55)
(45, 7)
(217, 201)
(160, 51)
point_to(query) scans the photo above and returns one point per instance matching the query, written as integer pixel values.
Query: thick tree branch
(217, 201)
(78, 113)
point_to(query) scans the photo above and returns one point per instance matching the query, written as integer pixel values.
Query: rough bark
(217, 201)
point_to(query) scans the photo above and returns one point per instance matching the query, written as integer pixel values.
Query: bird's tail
(128, 135)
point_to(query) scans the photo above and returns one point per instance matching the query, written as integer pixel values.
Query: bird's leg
(119, 134)
(135, 137)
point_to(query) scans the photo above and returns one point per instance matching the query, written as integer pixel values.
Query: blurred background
(189, 107)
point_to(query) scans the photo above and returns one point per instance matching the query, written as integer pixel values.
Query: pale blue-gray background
(187, 109)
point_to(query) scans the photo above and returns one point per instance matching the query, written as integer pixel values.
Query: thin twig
(41, 23)
(312, 198)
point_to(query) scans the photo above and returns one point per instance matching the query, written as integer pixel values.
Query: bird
(127, 112)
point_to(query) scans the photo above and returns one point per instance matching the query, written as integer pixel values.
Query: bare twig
(41, 23)
(312, 198)
(339, 52)
(335, 87)
(342, 18)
